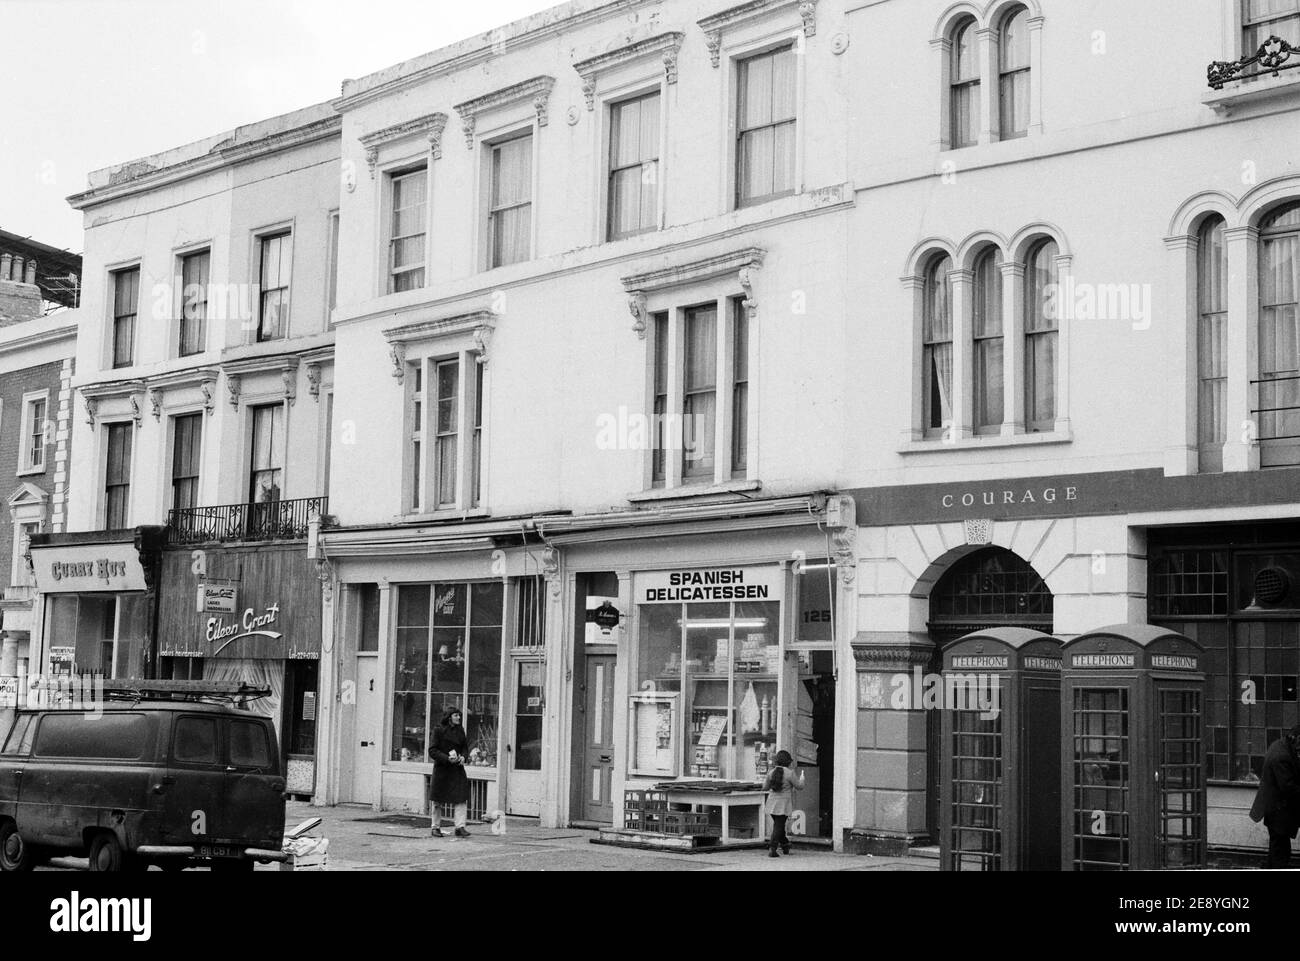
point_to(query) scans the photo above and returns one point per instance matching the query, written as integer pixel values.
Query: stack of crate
(644, 810)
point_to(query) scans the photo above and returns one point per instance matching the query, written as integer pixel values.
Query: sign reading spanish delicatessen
(708, 585)
(276, 614)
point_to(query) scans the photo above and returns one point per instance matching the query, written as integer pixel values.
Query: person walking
(450, 785)
(1277, 802)
(780, 787)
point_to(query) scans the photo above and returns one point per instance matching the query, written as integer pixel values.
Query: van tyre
(107, 854)
(15, 853)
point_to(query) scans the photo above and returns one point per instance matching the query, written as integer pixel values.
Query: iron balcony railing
(1273, 56)
(1278, 417)
(281, 520)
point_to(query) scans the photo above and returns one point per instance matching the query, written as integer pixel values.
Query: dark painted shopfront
(249, 614)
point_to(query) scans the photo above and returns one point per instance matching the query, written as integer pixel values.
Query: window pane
(1014, 41)
(965, 54)
(1211, 346)
(512, 172)
(700, 378)
(248, 745)
(701, 348)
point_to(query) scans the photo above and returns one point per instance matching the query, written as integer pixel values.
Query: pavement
(365, 840)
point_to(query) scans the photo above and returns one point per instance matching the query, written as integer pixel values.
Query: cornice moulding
(537, 88)
(430, 126)
(667, 45)
(716, 24)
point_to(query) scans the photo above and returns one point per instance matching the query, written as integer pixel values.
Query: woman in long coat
(450, 785)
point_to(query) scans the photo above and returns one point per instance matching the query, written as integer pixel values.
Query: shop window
(723, 661)
(447, 655)
(529, 705)
(1189, 583)
(97, 633)
(368, 601)
(815, 589)
(181, 669)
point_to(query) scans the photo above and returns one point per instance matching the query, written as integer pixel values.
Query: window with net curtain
(965, 86)
(126, 295)
(700, 403)
(1211, 345)
(1279, 339)
(1041, 330)
(634, 166)
(765, 124)
(986, 335)
(936, 336)
(1013, 75)
(194, 301)
(510, 208)
(1262, 19)
(273, 281)
(407, 237)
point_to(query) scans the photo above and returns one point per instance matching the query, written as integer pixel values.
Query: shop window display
(723, 661)
(447, 653)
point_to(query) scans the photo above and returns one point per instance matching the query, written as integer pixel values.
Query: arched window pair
(1276, 381)
(988, 334)
(1011, 72)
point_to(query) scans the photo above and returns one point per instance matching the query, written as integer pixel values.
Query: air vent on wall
(1271, 585)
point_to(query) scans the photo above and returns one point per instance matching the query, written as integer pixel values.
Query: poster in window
(654, 735)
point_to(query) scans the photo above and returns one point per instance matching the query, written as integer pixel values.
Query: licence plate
(218, 851)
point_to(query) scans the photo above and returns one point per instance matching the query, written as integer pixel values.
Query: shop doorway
(598, 747)
(524, 746)
(810, 674)
(991, 587)
(366, 731)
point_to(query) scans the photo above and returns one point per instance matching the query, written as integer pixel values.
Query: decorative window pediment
(430, 126)
(286, 365)
(478, 324)
(28, 496)
(538, 90)
(203, 379)
(716, 24)
(663, 45)
(119, 394)
(741, 263)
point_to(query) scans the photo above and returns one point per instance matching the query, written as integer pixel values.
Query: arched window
(965, 86)
(1279, 339)
(1042, 310)
(1211, 345)
(992, 586)
(986, 336)
(937, 338)
(1013, 75)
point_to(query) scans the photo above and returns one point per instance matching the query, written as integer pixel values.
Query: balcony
(1278, 417)
(280, 520)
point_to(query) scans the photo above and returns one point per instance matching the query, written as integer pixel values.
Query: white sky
(89, 83)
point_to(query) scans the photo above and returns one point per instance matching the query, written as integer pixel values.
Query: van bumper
(261, 854)
(185, 851)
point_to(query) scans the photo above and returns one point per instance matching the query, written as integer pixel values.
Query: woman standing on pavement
(780, 787)
(450, 785)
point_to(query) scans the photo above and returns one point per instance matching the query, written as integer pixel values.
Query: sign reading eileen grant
(74, 568)
(709, 584)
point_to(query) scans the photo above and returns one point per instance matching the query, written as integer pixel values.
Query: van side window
(194, 740)
(248, 745)
(17, 736)
(112, 736)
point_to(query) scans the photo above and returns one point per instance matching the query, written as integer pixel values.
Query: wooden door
(598, 740)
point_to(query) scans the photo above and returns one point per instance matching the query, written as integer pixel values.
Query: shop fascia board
(346, 544)
(729, 515)
(682, 528)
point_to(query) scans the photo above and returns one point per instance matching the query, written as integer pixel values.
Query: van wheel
(106, 854)
(15, 853)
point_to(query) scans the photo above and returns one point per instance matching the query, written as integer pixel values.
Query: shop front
(250, 615)
(697, 657)
(97, 598)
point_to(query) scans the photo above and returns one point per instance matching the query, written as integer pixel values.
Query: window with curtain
(407, 230)
(1279, 339)
(699, 404)
(765, 124)
(446, 380)
(936, 335)
(1211, 345)
(117, 475)
(659, 468)
(740, 388)
(986, 333)
(510, 207)
(267, 460)
(634, 166)
(194, 302)
(273, 282)
(1262, 19)
(126, 295)
(1040, 337)
(476, 445)
(187, 446)
(965, 86)
(1013, 75)
(415, 434)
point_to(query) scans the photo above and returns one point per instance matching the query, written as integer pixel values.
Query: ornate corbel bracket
(808, 14)
(842, 547)
(156, 402)
(467, 125)
(670, 65)
(636, 301)
(397, 354)
(750, 303)
(537, 90)
(313, 380)
(437, 124)
(372, 160)
(234, 384)
(206, 389)
(289, 377)
(136, 414)
(551, 569)
(713, 41)
(541, 102)
(92, 406)
(482, 339)
(589, 90)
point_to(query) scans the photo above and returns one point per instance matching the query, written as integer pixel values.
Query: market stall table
(720, 794)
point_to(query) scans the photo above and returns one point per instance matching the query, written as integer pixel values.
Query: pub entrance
(990, 587)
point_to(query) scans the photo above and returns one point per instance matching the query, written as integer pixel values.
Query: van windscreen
(75, 734)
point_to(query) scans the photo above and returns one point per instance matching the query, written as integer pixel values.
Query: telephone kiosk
(1133, 780)
(1000, 809)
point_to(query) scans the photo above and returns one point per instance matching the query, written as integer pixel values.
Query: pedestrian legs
(778, 837)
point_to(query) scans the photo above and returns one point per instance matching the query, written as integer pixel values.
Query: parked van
(178, 783)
